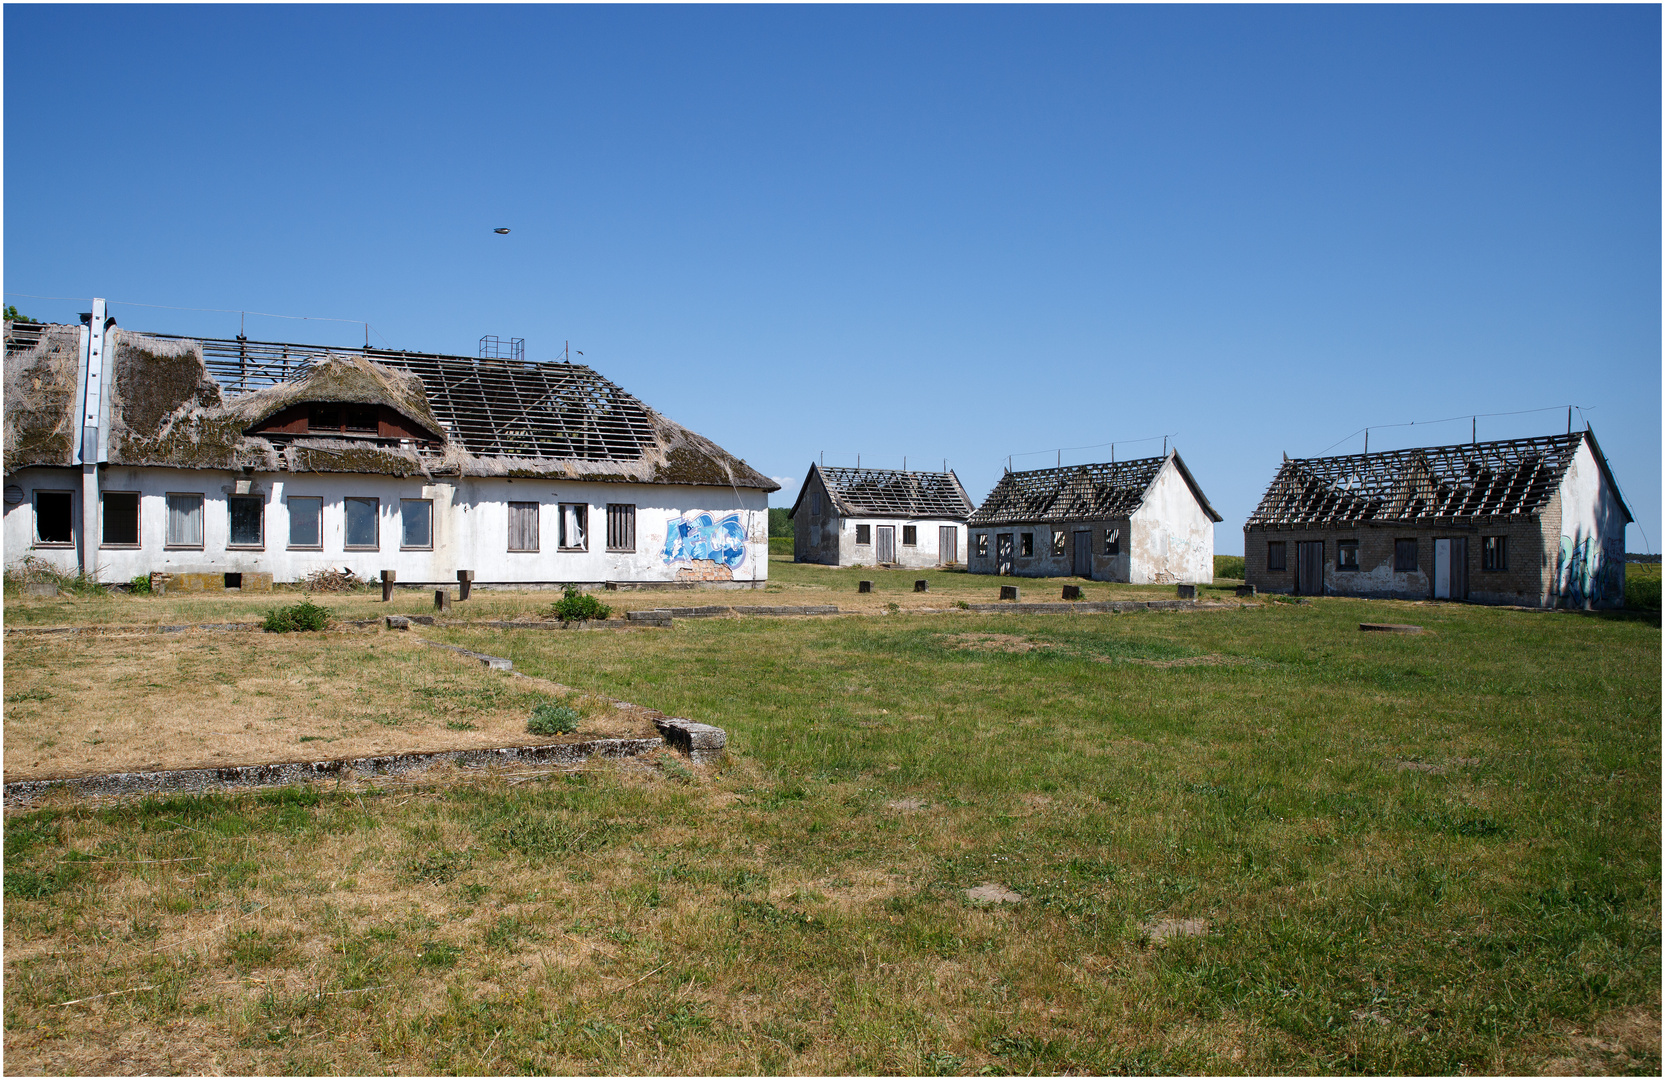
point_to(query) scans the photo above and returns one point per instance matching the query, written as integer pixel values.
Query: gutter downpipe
(92, 447)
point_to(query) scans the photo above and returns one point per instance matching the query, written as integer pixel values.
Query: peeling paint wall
(1589, 558)
(1172, 539)
(469, 528)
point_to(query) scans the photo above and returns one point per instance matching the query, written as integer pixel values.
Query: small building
(1144, 522)
(1535, 522)
(879, 517)
(236, 463)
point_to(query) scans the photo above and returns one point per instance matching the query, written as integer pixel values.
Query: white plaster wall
(927, 553)
(1590, 561)
(470, 527)
(1172, 537)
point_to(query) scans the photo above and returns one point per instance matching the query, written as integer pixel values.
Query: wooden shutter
(523, 526)
(621, 526)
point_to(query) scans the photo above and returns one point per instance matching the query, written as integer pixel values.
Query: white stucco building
(879, 517)
(1144, 522)
(228, 461)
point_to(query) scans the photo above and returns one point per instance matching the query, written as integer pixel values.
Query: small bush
(552, 718)
(576, 605)
(140, 585)
(297, 617)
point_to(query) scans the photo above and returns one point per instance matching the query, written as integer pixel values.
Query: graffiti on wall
(1585, 575)
(698, 536)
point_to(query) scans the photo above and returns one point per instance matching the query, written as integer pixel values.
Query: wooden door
(1451, 568)
(1003, 553)
(948, 544)
(1309, 568)
(1083, 553)
(884, 550)
(1442, 569)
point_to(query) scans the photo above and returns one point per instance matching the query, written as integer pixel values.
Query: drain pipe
(93, 445)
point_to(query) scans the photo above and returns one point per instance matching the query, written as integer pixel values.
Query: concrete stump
(442, 600)
(398, 622)
(922, 586)
(864, 586)
(1187, 592)
(1072, 592)
(40, 588)
(1008, 592)
(1245, 590)
(388, 577)
(465, 582)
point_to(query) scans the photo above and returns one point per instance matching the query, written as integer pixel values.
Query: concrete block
(701, 742)
(1187, 592)
(465, 582)
(1008, 592)
(1072, 592)
(40, 588)
(257, 581)
(398, 622)
(864, 586)
(388, 578)
(922, 586)
(442, 600)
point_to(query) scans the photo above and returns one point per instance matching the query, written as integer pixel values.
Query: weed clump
(297, 617)
(140, 585)
(576, 605)
(552, 718)
(34, 570)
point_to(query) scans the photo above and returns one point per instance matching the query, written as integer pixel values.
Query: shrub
(576, 605)
(1228, 566)
(297, 617)
(1642, 586)
(553, 718)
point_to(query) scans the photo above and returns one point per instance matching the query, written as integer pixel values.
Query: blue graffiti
(697, 536)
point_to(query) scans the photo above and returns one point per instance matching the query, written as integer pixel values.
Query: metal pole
(1569, 419)
(1473, 428)
(1367, 441)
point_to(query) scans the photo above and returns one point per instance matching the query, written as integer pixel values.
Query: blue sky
(929, 233)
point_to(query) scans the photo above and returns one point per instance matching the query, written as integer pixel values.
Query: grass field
(1245, 840)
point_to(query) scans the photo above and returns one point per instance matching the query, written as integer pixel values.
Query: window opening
(53, 521)
(184, 520)
(1275, 556)
(910, 536)
(363, 524)
(121, 518)
(234, 581)
(248, 514)
(575, 526)
(1492, 553)
(416, 523)
(1347, 555)
(1028, 544)
(306, 515)
(1057, 542)
(982, 545)
(1404, 556)
(864, 534)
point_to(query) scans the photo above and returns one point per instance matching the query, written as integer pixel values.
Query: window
(910, 536)
(864, 534)
(248, 521)
(306, 521)
(1275, 556)
(363, 524)
(361, 418)
(1112, 541)
(523, 526)
(1028, 545)
(53, 520)
(1057, 541)
(416, 524)
(1347, 555)
(982, 545)
(621, 526)
(575, 527)
(1404, 556)
(1492, 553)
(121, 518)
(184, 521)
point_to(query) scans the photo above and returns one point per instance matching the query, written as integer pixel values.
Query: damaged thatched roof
(497, 418)
(1509, 478)
(1105, 491)
(890, 493)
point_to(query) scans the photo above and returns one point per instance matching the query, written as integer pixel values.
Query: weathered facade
(1144, 522)
(879, 517)
(1534, 522)
(220, 460)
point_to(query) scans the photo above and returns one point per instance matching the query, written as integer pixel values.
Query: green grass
(1413, 854)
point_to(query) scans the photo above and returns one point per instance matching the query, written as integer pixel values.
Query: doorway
(1083, 553)
(884, 549)
(1309, 568)
(1451, 568)
(948, 544)
(1003, 554)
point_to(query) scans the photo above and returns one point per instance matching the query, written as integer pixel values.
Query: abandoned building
(237, 463)
(1536, 522)
(879, 517)
(1144, 521)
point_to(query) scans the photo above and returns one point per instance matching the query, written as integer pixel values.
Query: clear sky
(937, 232)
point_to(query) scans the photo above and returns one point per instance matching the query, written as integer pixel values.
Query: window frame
(561, 527)
(623, 514)
(34, 507)
(1282, 562)
(910, 536)
(260, 545)
(981, 542)
(405, 532)
(1026, 545)
(138, 521)
(1498, 544)
(171, 544)
(1346, 547)
(346, 522)
(864, 531)
(289, 505)
(537, 526)
(1399, 543)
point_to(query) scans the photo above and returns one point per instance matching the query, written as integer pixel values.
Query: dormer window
(342, 418)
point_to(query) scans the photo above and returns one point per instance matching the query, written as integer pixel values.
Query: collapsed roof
(1505, 479)
(171, 404)
(891, 493)
(1107, 490)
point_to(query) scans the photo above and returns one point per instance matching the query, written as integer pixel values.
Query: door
(1309, 568)
(948, 544)
(884, 549)
(1003, 553)
(1451, 568)
(1083, 554)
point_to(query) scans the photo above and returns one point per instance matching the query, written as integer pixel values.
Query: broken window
(1347, 555)
(416, 524)
(306, 521)
(910, 536)
(1404, 555)
(1028, 544)
(184, 520)
(1112, 541)
(1058, 542)
(121, 518)
(523, 526)
(982, 545)
(53, 520)
(864, 534)
(363, 524)
(1492, 553)
(621, 526)
(247, 513)
(575, 526)
(1275, 558)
